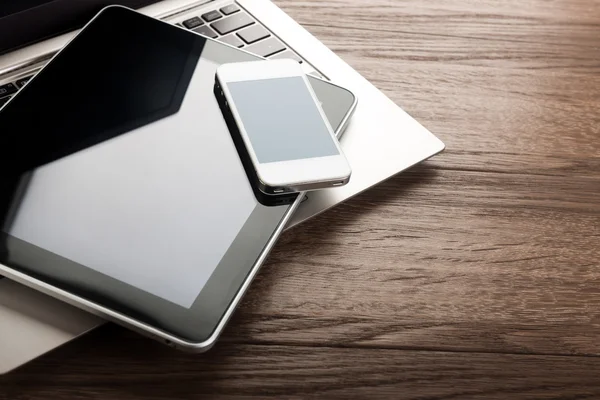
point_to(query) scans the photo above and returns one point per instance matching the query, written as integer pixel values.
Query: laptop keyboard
(229, 24)
(6, 91)
(232, 25)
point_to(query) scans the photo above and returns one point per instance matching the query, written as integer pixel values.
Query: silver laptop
(380, 141)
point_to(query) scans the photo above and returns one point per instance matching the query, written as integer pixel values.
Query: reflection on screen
(281, 119)
(124, 172)
(141, 207)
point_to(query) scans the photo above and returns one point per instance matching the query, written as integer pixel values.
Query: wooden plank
(563, 22)
(531, 87)
(491, 246)
(111, 366)
(448, 260)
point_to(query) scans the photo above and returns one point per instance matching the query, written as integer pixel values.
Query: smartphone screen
(281, 119)
(291, 145)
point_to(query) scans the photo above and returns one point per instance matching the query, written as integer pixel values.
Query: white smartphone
(282, 125)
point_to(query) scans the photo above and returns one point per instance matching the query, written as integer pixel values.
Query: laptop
(380, 141)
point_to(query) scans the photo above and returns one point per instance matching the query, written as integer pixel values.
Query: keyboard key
(267, 47)
(232, 40)
(193, 23)
(230, 9)
(253, 34)
(211, 16)
(7, 89)
(233, 23)
(206, 31)
(4, 100)
(287, 54)
(21, 82)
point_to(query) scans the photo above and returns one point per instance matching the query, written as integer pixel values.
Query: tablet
(122, 190)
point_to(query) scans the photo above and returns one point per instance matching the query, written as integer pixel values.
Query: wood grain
(280, 371)
(492, 246)
(474, 275)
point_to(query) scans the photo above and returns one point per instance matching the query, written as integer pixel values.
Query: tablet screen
(157, 206)
(125, 187)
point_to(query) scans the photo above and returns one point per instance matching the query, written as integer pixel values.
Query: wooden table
(474, 275)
